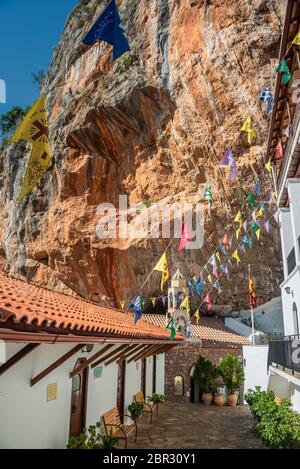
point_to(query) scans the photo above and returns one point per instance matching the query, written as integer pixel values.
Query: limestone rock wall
(154, 130)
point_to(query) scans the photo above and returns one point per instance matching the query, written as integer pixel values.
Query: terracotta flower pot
(219, 399)
(207, 398)
(232, 399)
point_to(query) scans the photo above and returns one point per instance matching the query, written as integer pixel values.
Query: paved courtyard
(196, 426)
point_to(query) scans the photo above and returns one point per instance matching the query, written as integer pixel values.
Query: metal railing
(285, 353)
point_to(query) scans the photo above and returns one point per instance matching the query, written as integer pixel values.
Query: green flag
(171, 328)
(284, 69)
(208, 196)
(250, 200)
(254, 227)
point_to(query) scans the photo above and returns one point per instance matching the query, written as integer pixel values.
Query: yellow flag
(238, 217)
(34, 129)
(297, 39)
(268, 165)
(258, 233)
(186, 304)
(209, 278)
(248, 128)
(237, 233)
(162, 266)
(153, 301)
(259, 213)
(235, 255)
(218, 256)
(122, 303)
(197, 315)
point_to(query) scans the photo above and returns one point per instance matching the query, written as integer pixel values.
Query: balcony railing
(285, 353)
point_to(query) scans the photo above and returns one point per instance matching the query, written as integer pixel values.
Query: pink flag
(279, 151)
(207, 300)
(186, 236)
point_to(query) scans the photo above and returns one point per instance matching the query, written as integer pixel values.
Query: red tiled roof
(27, 307)
(208, 329)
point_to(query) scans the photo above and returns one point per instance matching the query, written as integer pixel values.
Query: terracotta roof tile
(26, 306)
(209, 329)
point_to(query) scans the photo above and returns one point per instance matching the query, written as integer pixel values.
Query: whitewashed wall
(255, 366)
(149, 376)
(102, 392)
(160, 374)
(293, 281)
(27, 420)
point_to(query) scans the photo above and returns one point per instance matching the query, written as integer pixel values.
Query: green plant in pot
(233, 376)
(204, 374)
(136, 409)
(157, 398)
(93, 438)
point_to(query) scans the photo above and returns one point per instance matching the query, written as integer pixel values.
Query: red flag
(225, 241)
(208, 301)
(251, 291)
(186, 236)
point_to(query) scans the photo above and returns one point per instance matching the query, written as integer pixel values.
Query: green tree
(38, 78)
(10, 120)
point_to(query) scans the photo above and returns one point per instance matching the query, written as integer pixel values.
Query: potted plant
(157, 398)
(204, 374)
(233, 376)
(92, 438)
(136, 409)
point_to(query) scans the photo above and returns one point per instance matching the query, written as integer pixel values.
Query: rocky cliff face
(154, 130)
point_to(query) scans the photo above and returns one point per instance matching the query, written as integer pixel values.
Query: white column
(293, 187)
(287, 240)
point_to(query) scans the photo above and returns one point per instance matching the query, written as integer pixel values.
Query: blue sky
(29, 30)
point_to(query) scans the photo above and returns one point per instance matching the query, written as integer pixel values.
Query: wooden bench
(148, 407)
(112, 423)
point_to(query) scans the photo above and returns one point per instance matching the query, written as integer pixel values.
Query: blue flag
(108, 28)
(199, 286)
(136, 304)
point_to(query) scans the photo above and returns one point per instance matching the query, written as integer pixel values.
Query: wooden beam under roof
(133, 350)
(56, 364)
(118, 356)
(90, 360)
(140, 352)
(148, 353)
(109, 355)
(17, 357)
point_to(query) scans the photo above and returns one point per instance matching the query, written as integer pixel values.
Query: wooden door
(121, 387)
(143, 376)
(78, 400)
(154, 375)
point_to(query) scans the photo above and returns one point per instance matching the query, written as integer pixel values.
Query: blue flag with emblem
(108, 28)
(136, 304)
(199, 286)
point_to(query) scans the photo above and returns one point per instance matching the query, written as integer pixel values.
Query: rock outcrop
(154, 127)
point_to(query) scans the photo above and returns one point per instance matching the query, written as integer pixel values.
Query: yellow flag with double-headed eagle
(34, 129)
(162, 266)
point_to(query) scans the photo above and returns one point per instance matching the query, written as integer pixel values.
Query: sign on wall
(98, 372)
(51, 392)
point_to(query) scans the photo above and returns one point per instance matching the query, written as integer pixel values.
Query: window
(295, 318)
(178, 385)
(76, 383)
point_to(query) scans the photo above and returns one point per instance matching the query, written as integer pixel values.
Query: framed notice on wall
(51, 392)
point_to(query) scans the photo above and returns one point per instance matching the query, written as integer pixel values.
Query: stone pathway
(190, 425)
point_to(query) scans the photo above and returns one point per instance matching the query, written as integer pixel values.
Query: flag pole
(251, 309)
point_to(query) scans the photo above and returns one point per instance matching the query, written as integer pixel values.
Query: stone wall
(180, 360)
